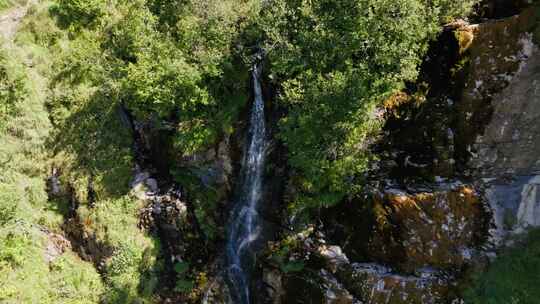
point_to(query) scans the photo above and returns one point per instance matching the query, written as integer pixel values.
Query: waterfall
(244, 226)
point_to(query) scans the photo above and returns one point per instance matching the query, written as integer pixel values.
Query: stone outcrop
(421, 229)
(436, 229)
(505, 71)
(420, 241)
(515, 204)
(315, 286)
(505, 156)
(375, 283)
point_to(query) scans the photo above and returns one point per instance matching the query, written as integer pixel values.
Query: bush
(448, 10)
(5, 4)
(13, 88)
(337, 61)
(78, 13)
(512, 278)
(8, 210)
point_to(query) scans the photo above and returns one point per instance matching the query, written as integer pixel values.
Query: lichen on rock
(437, 229)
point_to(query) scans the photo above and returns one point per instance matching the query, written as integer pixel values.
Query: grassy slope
(6, 4)
(28, 218)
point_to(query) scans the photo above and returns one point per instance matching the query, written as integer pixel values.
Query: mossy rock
(430, 229)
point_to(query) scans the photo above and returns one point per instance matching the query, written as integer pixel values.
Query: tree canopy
(184, 63)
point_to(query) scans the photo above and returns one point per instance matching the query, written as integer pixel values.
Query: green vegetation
(183, 284)
(181, 73)
(181, 66)
(89, 145)
(33, 267)
(337, 61)
(78, 13)
(6, 4)
(512, 278)
(12, 88)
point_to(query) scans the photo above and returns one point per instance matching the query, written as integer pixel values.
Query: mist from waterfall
(244, 227)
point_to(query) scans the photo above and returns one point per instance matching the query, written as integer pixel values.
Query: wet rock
(529, 208)
(333, 255)
(417, 241)
(273, 281)
(214, 166)
(515, 203)
(152, 185)
(217, 293)
(317, 287)
(501, 99)
(333, 291)
(143, 186)
(379, 285)
(54, 187)
(428, 229)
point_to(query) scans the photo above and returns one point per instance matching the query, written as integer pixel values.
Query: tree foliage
(337, 60)
(179, 63)
(79, 13)
(171, 62)
(13, 88)
(183, 66)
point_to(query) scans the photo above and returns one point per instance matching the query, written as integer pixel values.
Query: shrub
(13, 88)
(5, 4)
(78, 13)
(337, 61)
(7, 211)
(512, 278)
(448, 10)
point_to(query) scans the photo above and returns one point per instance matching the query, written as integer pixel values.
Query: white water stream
(245, 226)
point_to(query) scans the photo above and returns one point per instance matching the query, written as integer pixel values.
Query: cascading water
(244, 227)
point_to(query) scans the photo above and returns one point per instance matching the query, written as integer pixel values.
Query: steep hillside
(283, 151)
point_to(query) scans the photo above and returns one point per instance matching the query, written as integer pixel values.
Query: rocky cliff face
(507, 157)
(459, 173)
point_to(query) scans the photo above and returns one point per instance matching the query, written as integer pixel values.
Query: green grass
(513, 277)
(26, 277)
(86, 142)
(7, 4)
(26, 217)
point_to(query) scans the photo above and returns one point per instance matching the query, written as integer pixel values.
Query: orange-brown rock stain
(428, 229)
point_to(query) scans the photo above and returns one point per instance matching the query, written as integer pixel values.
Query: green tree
(79, 13)
(13, 89)
(336, 61)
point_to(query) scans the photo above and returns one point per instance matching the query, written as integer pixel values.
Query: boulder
(502, 97)
(498, 108)
(515, 203)
(378, 284)
(272, 278)
(437, 229)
